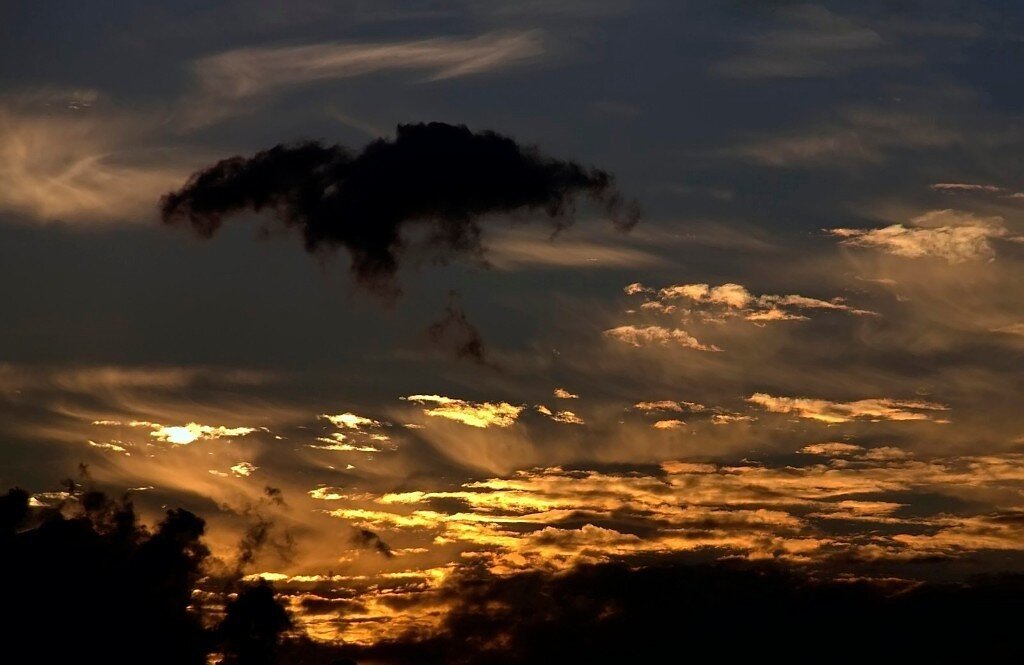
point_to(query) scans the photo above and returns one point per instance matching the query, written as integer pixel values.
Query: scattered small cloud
(860, 136)
(565, 417)
(811, 41)
(350, 420)
(244, 469)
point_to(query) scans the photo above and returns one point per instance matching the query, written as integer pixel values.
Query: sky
(729, 280)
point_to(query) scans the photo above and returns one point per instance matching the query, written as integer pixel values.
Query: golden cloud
(474, 414)
(841, 412)
(182, 434)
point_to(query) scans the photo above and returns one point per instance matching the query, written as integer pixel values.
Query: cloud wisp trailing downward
(455, 331)
(443, 177)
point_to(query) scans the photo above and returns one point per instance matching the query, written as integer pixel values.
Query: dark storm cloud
(442, 177)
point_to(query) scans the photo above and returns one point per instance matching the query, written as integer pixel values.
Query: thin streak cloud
(229, 82)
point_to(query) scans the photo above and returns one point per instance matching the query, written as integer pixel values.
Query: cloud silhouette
(366, 539)
(440, 177)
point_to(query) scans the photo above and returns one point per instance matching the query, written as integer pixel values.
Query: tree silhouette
(253, 627)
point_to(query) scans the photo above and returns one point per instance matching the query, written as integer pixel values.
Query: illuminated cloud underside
(719, 303)
(946, 234)
(350, 421)
(638, 336)
(474, 414)
(182, 434)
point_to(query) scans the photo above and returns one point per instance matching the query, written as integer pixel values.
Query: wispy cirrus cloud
(1011, 329)
(874, 409)
(966, 187)
(523, 248)
(78, 164)
(808, 41)
(859, 136)
(227, 82)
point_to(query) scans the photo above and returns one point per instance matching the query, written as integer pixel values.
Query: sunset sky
(763, 300)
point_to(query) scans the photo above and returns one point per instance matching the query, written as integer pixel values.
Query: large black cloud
(442, 177)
